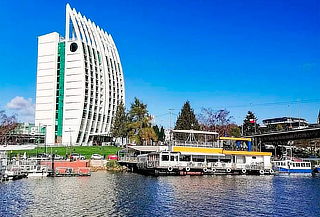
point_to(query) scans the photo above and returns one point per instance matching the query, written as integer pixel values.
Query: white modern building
(79, 83)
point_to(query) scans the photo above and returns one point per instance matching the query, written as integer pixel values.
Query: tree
(250, 125)
(156, 130)
(234, 131)
(162, 135)
(159, 132)
(218, 121)
(139, 126)
(119, 127)
(7, 125)
(187, 119)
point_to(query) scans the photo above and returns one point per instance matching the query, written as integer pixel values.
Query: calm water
(126, 194)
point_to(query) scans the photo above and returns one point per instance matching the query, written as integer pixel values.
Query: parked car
(96, 157)
(43, 156)
(58, 157)
(112, 157)
(76, 156)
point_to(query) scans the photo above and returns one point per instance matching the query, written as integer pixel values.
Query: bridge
(282, 137)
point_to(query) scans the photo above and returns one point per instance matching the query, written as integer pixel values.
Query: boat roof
(146, 148)
(194, 132)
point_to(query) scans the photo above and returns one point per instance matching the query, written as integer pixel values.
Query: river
(128, 194)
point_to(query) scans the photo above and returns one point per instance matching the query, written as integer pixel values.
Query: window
(185, 158)
(165, 158)
(73, 47)
(303, 165)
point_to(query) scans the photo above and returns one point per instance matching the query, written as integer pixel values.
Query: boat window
(307, 164)
(225, 160)
(212, 160)
(303, 165)
(298, 164)
(172, 158)
(185, 158)
(165, 157)
(254, 157)
(198, 159)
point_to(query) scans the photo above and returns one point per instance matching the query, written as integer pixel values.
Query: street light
(70, 139)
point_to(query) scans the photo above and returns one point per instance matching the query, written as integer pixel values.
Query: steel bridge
(283, 137)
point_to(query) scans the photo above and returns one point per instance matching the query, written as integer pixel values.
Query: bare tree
(7, 125)
(219, 121)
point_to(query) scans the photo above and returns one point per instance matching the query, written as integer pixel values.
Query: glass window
(185, 158)
(298, 164)
(165, 158)
(303, 165)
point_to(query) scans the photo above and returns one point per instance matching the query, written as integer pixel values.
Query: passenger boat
(37, 171)
(32, 167)
(204, 153)
(292, 165)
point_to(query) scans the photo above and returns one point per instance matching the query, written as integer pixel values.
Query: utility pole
(170, 112)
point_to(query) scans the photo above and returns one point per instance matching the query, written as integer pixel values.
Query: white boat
(204, 153)
(38, 171)
(33, 168)
(292, 166)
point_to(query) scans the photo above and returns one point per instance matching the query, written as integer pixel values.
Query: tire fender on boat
(271, 171)
(170, 168)
(205, 170)
(244, 171)
(228, 170)
(213, 170)
(187, 169)
(261, 172)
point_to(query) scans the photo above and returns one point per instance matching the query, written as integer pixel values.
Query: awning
(194, 132)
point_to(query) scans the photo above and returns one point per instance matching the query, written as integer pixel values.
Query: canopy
(194, 132)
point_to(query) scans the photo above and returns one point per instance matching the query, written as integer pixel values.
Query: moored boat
(203, 153)
(292, 165)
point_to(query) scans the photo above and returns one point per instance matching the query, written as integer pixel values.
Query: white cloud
(24, 108)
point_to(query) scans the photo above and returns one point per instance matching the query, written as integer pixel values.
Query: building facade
(79, 83)
(285, 123)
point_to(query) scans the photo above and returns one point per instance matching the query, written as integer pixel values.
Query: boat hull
(285, 170)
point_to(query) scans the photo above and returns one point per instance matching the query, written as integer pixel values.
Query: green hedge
(87, 151)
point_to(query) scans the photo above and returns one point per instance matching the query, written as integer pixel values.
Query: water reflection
(126, 194)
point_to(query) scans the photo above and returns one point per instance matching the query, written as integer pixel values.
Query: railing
(128, 159)
(198, 144)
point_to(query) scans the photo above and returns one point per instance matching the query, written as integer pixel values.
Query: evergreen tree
(250, 125)
(156, 130)
(187, 119)
(119, 126)
(140, 130)
(162, 135)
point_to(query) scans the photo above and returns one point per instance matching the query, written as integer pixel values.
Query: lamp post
(70, 139)
(45, 138)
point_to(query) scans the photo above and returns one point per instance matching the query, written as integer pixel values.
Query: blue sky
(235, 54)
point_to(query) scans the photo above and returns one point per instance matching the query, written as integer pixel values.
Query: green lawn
(87, 151)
